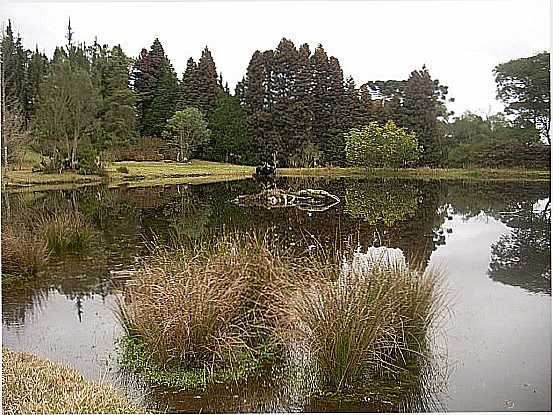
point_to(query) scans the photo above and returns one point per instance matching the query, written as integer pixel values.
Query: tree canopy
(524, 86)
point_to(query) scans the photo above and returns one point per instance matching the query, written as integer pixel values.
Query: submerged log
(307, 199)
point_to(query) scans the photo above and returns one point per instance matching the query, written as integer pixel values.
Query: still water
(492, 348)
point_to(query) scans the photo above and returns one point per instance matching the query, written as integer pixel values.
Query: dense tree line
(294, 105)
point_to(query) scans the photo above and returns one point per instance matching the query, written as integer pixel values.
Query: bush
(90, 162)
(501, 154)
(143, 149)
(381, 146)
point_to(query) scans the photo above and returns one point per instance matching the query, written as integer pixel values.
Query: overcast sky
(459, 41)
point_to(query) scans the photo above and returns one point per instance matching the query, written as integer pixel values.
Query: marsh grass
(363, 323)
(34, 385)
(23, 252)
(65, 231)
(242, 300)
(207, 305)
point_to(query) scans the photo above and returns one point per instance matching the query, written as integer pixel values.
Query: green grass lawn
(152, 173)
(420, 173)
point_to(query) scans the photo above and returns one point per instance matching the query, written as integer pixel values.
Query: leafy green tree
(187, 130)
(524, 86)
(67, 107)
(229, 135)
(381, 146)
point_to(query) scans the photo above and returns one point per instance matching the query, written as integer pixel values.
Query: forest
(89, 104)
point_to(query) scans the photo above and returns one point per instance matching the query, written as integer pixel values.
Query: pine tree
(189, 95)
(36, 72)
(420, 111)
(117, 114)
(229, 135)
(157, 90)
(14, 65)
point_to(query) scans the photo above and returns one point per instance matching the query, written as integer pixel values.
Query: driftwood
(308, 199)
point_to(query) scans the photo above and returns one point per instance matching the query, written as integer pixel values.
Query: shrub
(143, 149)
(381, 146)
(90, 162)
(122, 169)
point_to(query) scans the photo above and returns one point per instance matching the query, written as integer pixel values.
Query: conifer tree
(117, 114)
(36, 72)
(156, 87)
(420, 112)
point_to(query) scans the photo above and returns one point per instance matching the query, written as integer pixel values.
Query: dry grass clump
(65, 231)
(23, 251)
(359, 322)
(215, 306)
(206, 306)
(31, 385)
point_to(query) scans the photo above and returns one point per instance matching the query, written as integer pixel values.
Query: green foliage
(494, 142)
(381, 146)
(67, 107)
(156, 86)
(230, 139)
(90, 161)
(524, 86)
(117, 114)
(187, 130)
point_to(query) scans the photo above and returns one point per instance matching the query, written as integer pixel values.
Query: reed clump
(243, 300)
(65, 231)
(359, 322)
(206, 306)
(23, 251)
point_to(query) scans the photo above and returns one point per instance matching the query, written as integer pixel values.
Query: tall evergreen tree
(156, 86)
(37, 70)
(200, 85)
(420, 112)
(117, 114)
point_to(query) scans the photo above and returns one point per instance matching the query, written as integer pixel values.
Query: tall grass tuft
(23, 252)
(65, 231)
(360, 322)
(209, 305)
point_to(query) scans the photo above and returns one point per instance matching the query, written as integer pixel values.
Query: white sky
(459, 41)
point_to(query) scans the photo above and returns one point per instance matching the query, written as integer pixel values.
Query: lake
(493, 239)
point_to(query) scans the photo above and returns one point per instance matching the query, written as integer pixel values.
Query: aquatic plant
(363, 317)
(205, 305)
(65, 231)
(23, 252)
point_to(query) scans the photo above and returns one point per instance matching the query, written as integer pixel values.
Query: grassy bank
(150, 173)
(33, 385)
(421, 173)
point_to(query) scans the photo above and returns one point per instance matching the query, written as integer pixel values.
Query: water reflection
(75, 294)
